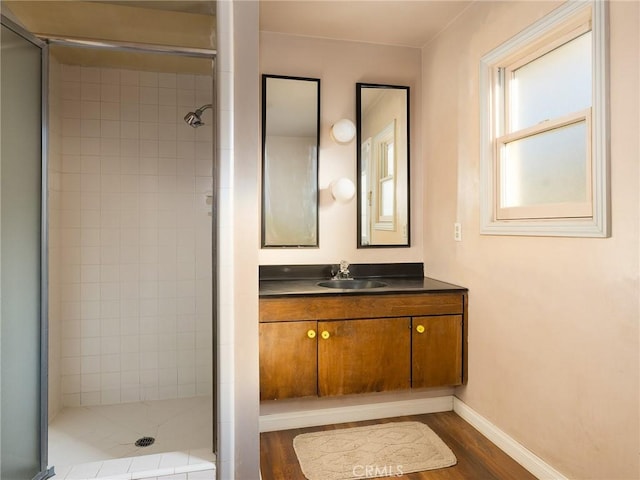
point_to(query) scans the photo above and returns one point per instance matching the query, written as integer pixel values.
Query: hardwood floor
(478, 458)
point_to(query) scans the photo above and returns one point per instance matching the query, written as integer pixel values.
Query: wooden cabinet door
(368, 355)
(288, 360)
(436, 351)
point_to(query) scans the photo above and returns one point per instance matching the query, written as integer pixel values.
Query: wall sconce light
(342, 189)
(343, 131)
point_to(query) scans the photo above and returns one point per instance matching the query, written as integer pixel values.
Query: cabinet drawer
(359, 306)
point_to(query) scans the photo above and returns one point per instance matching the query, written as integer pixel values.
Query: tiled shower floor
(99, 441)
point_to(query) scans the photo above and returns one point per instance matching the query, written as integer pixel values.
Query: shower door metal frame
(130, 47)
(45, 470)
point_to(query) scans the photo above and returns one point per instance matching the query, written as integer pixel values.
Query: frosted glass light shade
(343, 131)
(343, 189)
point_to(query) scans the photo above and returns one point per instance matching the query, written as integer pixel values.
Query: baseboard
(354, 413)
(534, 464)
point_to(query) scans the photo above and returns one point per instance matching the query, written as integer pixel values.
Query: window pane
(549, 167)
(553, 85)
(390, 160)
(386, 207)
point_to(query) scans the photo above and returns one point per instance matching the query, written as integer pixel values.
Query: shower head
(194, 118)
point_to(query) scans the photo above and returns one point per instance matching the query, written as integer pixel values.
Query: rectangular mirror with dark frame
(382, 113)
(290, 144)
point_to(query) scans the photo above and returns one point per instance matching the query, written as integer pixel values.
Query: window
(544, 128)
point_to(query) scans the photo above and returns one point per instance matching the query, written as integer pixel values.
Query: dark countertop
(308, 287)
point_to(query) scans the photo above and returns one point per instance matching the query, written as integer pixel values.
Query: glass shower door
(23, 420)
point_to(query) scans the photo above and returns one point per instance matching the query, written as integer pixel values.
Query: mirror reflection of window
(383, 165)
(385, 177)
(389, 163)
(386, 200)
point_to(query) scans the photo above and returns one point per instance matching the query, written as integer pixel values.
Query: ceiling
(198, 7)
(411, 23)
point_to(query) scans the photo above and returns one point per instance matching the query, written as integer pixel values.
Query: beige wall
(340, 65)
(246, 234)
(238, 147)
(553, 322)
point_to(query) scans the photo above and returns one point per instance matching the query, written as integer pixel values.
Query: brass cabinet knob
(311, 334)
(420, 329)
(325, 334)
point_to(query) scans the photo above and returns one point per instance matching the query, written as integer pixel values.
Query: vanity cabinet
(339, 345)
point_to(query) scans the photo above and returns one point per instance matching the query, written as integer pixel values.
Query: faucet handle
(342, 271)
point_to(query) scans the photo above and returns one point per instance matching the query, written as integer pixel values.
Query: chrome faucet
(343, 272)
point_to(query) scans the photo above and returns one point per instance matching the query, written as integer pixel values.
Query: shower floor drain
(145, 441)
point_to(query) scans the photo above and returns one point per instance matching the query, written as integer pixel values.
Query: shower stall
(107, 240)
(130, 261)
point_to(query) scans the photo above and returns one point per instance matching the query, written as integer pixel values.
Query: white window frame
(590, 219)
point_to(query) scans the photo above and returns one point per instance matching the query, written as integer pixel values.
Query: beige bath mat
(382, 450)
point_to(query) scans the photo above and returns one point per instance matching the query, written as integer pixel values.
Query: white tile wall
(135, 250)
